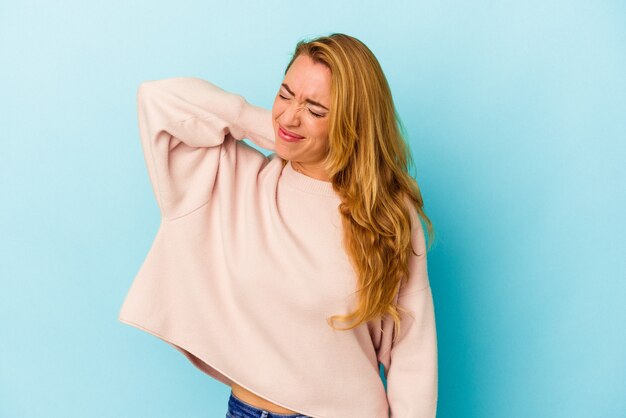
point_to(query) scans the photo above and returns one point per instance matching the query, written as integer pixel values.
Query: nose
(291, 115)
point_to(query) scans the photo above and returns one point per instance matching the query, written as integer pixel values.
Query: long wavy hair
(368, 163)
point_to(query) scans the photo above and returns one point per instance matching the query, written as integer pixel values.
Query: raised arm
(186, 125)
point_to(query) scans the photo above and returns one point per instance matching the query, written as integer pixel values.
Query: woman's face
(301, 107)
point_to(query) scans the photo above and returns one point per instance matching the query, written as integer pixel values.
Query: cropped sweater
(247, 264)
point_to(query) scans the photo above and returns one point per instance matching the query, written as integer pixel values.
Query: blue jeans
(240, 409)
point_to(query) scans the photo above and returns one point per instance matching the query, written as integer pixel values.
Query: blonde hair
(368, 162)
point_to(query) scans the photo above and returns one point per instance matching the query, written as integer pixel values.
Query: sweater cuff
(256, 123)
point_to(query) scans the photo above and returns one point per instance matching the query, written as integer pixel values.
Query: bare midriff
(258, 402)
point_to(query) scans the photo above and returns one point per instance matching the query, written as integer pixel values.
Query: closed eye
(317, 115)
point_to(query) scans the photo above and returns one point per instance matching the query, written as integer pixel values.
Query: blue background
(516, 114)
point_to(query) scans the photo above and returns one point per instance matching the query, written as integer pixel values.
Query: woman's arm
(411, 364)
(186, 125)
(412, 374)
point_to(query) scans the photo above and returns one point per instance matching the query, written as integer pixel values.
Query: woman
(257, 257)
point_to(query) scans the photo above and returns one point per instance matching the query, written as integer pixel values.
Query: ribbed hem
(307, 184)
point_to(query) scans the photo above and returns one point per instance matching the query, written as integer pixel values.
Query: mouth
(287, 135)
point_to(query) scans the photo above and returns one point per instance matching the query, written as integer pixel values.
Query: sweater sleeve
(187, 125)
(411, 364)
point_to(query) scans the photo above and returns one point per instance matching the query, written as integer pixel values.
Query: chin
(284, 152)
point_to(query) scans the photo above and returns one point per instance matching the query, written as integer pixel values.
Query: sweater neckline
(306, 183)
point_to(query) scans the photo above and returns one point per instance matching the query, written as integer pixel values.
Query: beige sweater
(247, 264)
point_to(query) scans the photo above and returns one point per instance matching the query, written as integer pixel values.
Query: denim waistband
(240, 409)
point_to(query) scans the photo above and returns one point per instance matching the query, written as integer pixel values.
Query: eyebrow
(313, 102)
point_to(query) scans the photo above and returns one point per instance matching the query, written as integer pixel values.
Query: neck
(315, 172)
